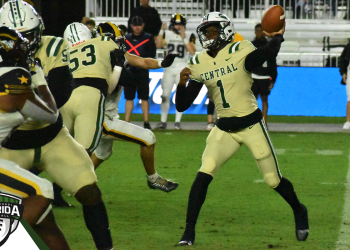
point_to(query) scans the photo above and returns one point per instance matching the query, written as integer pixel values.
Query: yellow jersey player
(115, 129)
(50, 147)
(92, 63)
(18, 102)
(175, 40)
(224, 68)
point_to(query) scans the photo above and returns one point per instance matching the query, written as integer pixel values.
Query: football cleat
(301, 224)
(185, 243)
(147, 125)
(346, 125)
(210, 126)
(163, 184)
(188, 237)
(178, 126)
(161, 125)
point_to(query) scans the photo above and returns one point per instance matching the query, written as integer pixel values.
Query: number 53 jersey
(226, 79)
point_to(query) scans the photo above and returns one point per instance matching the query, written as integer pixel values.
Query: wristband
(186, 41)
(161, 33)
(160, 63)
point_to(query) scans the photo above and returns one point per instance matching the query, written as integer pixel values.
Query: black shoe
(161, 125)
(188, 236)
(163, 184)
(301, 223)
(58, 199)
(147, 125)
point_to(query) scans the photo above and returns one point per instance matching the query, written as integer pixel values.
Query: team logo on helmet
(11, 210)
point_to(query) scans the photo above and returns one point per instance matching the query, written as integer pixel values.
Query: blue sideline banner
(298, 91)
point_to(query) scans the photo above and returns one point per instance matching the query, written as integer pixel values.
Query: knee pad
(209, 166)
(164, 99)
(104, 149)
(272, 179)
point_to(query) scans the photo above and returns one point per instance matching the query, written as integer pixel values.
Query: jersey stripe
(58, 47)
(234, 47)
(54, 46)
(48, 49)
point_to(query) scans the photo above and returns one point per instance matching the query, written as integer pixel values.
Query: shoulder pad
(15, 80)
(234, 47)
(105, 38)
(194, 60)
(54, 46)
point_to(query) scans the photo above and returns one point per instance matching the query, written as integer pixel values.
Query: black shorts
(140, 84)
(261, 87)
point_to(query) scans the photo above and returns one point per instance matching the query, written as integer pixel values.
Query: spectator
(90, 23)
(265, 75)
(344, 71)
(150, 15)
(123, 29)
(139, 43)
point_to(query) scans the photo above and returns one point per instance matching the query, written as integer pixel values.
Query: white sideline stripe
(329, 152)
(295, 151)
(343, 242)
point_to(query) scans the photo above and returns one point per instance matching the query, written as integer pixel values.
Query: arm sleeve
(344, 59)
(185, 96)
(260, 55)
(272, 68)
(60, 82)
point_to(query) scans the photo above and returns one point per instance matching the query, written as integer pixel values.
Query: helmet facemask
(14, 48)
(110, 30)
(177, 19)
(222, 22)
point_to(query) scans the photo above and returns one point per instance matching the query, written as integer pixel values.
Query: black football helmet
(177, 19)
(14, 48)
(110, 30)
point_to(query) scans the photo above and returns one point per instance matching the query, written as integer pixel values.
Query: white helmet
(223, 22)
(77, 33)
(22, 17)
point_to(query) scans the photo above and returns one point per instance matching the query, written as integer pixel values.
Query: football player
(176, 41)
(225, 69)
(115, 129)
(93, 62)
(50, 147)
(17, 102)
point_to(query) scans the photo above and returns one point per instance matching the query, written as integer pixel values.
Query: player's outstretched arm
(185, 96)
(150, 63)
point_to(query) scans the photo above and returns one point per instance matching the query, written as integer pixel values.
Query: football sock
(96, 220)
(35, 170)
(197, 197)
(56, 189)
(286, 190)
(178, 116)
(152, 178)
(164, 108)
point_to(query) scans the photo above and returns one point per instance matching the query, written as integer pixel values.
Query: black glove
(169, 59)
(117, 57)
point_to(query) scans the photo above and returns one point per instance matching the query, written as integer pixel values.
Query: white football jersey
(175, 43)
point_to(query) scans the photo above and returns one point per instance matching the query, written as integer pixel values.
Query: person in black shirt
(344, 68)
(265, 75)
(141, 44)
(150, 16)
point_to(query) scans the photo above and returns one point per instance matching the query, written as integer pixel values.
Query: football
(273, 19)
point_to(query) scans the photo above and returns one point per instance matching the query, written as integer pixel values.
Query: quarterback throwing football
(225, 68)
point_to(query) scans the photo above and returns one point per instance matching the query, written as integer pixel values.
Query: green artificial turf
(241, 211)
(271, 118)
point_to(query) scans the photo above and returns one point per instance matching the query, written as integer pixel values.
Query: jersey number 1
(225, 104)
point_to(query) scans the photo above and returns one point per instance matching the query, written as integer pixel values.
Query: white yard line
(343, 242)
